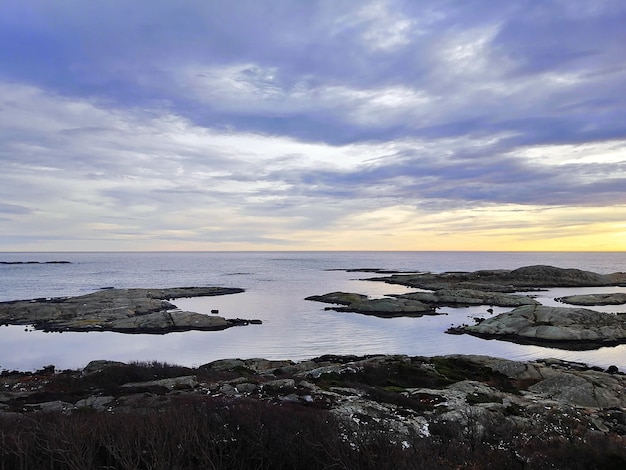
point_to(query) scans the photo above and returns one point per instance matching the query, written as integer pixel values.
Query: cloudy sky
(312, 125)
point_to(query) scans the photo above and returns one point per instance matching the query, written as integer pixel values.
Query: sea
(276, 285)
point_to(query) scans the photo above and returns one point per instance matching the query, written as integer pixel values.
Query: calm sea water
(276, 284)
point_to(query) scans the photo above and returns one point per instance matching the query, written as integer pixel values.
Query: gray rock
(53, 407)
(160, 322)
(176, 383)
(95, 402)
(279, 384)
(501, 280)
(456, 297)
(228, 390)
(246, 387)
(254, 365)
(617, 298)
(560, 326)
(121, 310)
(580, 390)
(384, 307)
(224, 364)
(100, 365)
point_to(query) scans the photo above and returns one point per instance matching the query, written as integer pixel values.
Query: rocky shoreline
(496, 400)
(145, 311)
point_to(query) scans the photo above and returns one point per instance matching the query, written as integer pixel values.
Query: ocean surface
(276, 284)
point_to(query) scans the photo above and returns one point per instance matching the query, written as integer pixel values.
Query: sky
(312, 125)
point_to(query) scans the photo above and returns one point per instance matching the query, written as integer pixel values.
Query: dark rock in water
(464, 297)
(383, 307)
(120, 310)
(35, 262)
(502, 280)
(419, 303)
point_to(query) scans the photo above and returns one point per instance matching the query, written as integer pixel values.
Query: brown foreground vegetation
(198, 429)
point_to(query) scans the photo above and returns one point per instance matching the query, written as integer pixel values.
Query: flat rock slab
(384, 307)
(503, 280)
(559, 327)
(464, 297)
(120, 310)
(617, 298)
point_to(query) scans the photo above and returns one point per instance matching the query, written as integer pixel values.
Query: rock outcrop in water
(465, 297)
(529, 323)
(559, 327)
(384, 307)
(617, 298)
(119, 310)
(419, 303)
(502, 280)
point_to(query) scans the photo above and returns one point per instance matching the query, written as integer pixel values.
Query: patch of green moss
(457, 369)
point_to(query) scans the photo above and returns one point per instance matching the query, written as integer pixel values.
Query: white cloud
(593, 153)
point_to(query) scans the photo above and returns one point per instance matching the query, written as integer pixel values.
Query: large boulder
(568, 328)
(568, 382)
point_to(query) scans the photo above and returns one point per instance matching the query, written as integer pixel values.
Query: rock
(401, 395)
(162, 322)
(53, 407)
(617, 298)
(572, 389)
(254, 365)
(501, 280)
(341, 298)
(96, 402)
(99, 365)
(462, 297)
(121, 310)
(383, 307)
(280, 384)
(176, 383)
(224, 364)
(246, 387)
(561, 327)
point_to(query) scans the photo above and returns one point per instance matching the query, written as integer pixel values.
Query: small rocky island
(559, 327)
(120, 310)
(527, 278)
(528, 323)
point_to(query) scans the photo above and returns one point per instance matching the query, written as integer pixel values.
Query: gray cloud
(162, 117)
